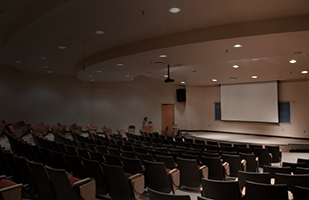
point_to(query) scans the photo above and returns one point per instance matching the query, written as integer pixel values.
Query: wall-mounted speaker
(181, 95)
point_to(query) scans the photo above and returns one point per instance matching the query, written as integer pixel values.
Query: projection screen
(253, 102)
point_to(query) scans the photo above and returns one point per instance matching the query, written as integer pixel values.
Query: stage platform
(284, 142)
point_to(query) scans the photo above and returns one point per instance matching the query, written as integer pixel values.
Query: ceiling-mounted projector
(168, 80)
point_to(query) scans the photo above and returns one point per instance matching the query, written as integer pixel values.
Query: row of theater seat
(141, 144)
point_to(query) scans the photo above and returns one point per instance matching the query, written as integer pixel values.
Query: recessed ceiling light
(99, 71)
(163, 56)
(182, 82)
(214, 80)
(99, 32)
(174, 10)
(62, 47)
(237, 45)
(293, 61)
(50, 71)
(119, 64)
(127, 76)
(304, 72)
(89, 76)
(165, 76)
(42, 58)
(92, 80)
(45, 67)
(235, 66)
(18, 61)
(254, 76)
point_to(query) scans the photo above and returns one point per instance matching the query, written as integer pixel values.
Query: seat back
(118, 185)
(94, 170)
(251, 163)
(221, 190)
(258, 191)
(252, 176)
(189, 172)
(263, 154)
(42, 181)
(167, 160)
(234, 162)
(273, 170)
(132, 165)
(292, 180)
(157, 177)
(61, 184)
(215, 169)
(76, 166)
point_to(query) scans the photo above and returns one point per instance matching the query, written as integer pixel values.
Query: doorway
(167, 119)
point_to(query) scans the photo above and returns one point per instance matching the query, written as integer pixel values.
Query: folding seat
(293, 165)
(90, 147)
(94, 170)
(156, 195)
(26, 176)
(9, 190)
(113, 151)
(255, 146)
(292, 180)
(275, 152)
(5, 166)
(112, 160)
(301, 193)
(190, 173)
(96, 156)
(62, 148)
(59, 161)
(70, 188)
(190, 156)
(252, 176)
(75, 165)
(221, 190)
(132, 165)
(167, 160)
(200, 146)
(301, 170)
(143, 157)
(120, 186)
(252, 162)
(235, 164)
(71, 150)
(45, 189)
(258, 191)
(47, 158)
(197, 141)
(302, 160)
(82, 152)
(210, 154)
(159, 178)
(216, 169)
(101, 148)
(263, 155)
(273, 170)
(128, 154)
(13, 167)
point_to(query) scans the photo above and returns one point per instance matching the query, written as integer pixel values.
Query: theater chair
(10, 190)
(71, 188)
(258, 191)
(19, 129)
(161, 179)
(121, 185)
(58, 128)
(40, 129)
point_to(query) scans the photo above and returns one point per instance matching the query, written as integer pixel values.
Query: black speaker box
(181, 95)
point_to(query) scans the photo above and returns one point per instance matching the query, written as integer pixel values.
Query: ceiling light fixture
(99, 32)
(50, 71)
(18, 61)
(237, 45)
(235, 66)
(127, 76)
(99, 71)
(90, 76)
(62, 47)
(119, 64)
(293, 61)
(254, 76)
(92, 80)
(45, 67)
(214, 80)
(174, 10)
(304, 72)
(42, 58)
(182, 82)
(165, 76)
(163, 56)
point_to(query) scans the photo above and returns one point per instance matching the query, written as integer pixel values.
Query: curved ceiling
(198, 41)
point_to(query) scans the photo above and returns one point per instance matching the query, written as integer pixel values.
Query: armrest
(173, 171)
(2, 176)
(257, 162)
(135, 176)
(88, 190)
(226, 167)
(204, 170)
(244, 164)
(12, 187)
(138, 183)
(85, 180)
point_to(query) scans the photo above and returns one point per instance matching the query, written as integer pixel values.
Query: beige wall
(200, 112)
(51, 99)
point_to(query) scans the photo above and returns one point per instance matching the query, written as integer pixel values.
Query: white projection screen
(253, 102)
